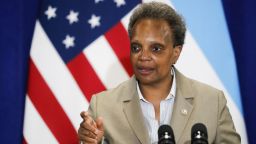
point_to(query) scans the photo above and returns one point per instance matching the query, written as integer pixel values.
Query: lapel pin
(184, 111)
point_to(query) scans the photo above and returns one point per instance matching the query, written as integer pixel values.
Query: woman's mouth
(145, 70)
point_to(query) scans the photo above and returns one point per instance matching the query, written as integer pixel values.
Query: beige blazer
(194, 102)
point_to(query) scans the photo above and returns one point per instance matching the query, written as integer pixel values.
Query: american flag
(79, 48)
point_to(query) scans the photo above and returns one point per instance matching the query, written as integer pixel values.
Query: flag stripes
(35, 129)
(24, 141)
(105, 63)
(85, 76)
(119, 41)
(57, 76)
(49, 108)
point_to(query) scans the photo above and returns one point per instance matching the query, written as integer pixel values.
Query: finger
(84, 114)
(90, 124)
(84, 140)
(88, 140)
(86, 117)
(88, 121)
(86, 126)
(99, 123)
(85, 132)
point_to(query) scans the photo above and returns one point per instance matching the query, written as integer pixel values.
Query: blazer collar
(183, 107)
(181, 110)
(131, 89)
(133, 112)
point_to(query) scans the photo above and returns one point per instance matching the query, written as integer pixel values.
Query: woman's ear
(176, 53)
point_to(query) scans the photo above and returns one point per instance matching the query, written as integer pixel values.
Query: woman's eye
(156, 48)
(135, 48)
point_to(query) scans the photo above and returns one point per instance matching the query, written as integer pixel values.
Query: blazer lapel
(182, 107)
(133, 113)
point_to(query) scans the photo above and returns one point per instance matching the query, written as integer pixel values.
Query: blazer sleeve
(226, 132)
(92, 107)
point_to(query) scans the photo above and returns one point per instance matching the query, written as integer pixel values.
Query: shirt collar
(171, 93)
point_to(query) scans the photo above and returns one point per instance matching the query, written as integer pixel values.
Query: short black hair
(158, 10)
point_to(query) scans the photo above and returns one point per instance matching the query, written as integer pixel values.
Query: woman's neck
(156, 92)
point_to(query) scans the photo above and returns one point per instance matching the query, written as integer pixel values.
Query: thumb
(99, 123)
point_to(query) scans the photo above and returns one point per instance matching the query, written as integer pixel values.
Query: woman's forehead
(152, 28)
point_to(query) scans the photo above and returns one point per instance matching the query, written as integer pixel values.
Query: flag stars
(72, 17)
(50, 12)
(119, 2)
(69, 41)
(94, 21)
(97, 1)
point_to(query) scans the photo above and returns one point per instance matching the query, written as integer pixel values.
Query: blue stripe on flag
(206, 21)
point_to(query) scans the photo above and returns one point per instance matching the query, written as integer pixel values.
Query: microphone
(165, 135)
(199, 134)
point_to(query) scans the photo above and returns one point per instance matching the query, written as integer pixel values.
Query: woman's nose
(145, 55)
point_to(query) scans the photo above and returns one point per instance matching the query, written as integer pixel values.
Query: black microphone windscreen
(199, 134)
(165, 135)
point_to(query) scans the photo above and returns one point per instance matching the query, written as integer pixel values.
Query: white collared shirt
(166, 107)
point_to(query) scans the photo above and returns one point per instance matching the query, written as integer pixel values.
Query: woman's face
(152, 51)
